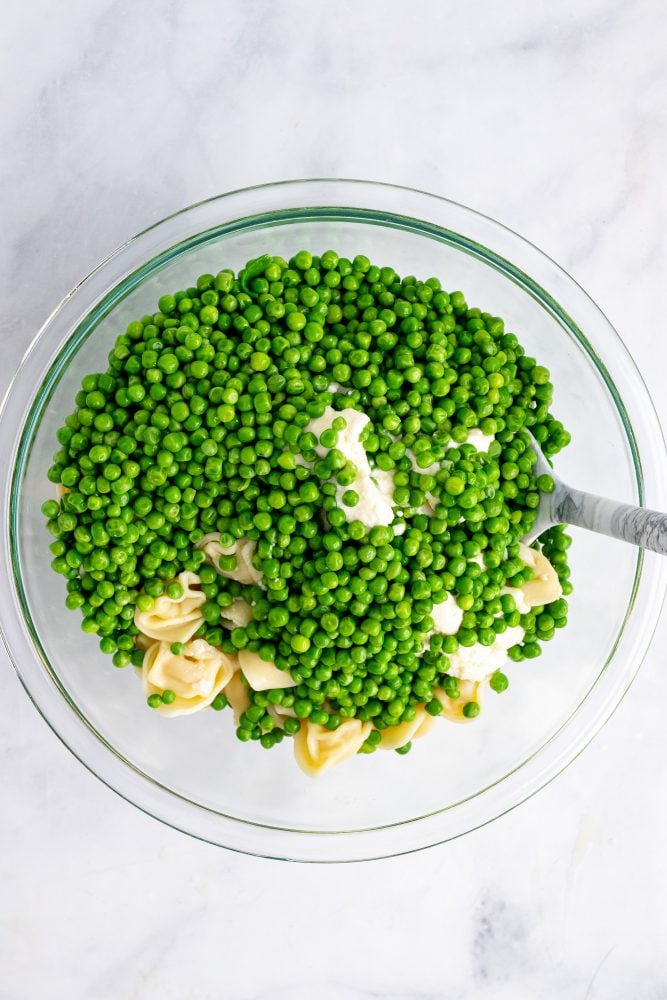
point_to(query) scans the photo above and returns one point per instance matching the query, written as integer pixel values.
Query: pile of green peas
(200, 424)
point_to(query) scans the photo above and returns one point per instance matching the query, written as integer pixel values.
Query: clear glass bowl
(192, 772)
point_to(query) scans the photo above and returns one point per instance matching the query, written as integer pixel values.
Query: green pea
(202, 425)
(498, 682)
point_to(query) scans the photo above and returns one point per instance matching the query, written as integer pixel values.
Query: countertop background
(549, 117)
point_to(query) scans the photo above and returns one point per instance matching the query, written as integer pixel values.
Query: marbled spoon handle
(637, 525)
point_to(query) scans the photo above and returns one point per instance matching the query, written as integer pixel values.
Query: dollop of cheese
(479, 440)
(477, 662)
(372, 486)
(517, 593)
(447, 616)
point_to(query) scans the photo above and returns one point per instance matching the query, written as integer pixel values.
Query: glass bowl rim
(651, 579)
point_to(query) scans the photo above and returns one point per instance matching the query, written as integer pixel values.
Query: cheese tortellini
(237, 693)
(143, 641)
(243, 550)
(316, 748)
(257, 675)
(174, 619)
(452, 708)
(397, 736)
(238, 614)
(197, 672)
(261, 675)
(195, 676)
(545, 586)
(280, 713)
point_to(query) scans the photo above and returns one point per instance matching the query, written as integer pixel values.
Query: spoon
(565, 505)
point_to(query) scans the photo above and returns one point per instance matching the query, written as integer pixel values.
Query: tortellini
(195, 676)
(174, 619)
(261, 675)
(398, 736)
(238, 614)
(316, 748)
(243, 550)
(143, 641)
(452, 708)
(237, 694)
(280, 713)
(545, 586)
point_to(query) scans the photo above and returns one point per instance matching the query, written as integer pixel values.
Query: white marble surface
(551, 118)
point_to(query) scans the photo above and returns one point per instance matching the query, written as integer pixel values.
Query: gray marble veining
(639, 526)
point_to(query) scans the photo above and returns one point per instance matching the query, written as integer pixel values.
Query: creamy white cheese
(482, 442)
(522, 605)
(373, 487)
(477, 662)
(431, 470)
(385, 482)
(479, 440)
(447, 616)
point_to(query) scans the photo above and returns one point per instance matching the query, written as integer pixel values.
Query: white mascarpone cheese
(477, 662)
(482, 442)
(479, 440)
(431, 470)
(373, 486)
(522, 605)
(447, 616)
(385, 482)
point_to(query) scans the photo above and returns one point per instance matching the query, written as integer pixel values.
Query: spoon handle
(637, 525)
